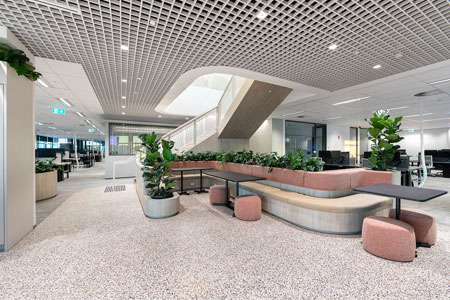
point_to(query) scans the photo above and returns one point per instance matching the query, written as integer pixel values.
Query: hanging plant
(17, 60)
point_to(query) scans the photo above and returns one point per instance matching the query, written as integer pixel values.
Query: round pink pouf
(217, 195)
(248, 208)
(389, 238)
(424, 224)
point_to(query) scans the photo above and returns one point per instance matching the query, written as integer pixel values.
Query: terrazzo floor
(99, 245)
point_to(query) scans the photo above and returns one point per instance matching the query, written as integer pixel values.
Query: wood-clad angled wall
(253, 109)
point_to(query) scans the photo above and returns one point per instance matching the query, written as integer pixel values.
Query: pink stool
(248, 208)
(389, 238)
(424, 224)
(217, 195)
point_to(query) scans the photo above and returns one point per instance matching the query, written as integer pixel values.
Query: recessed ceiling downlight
(261, 15)
(333, 47)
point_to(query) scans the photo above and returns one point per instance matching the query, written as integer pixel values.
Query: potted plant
(383, 134)
(46, 179)
(160, 201)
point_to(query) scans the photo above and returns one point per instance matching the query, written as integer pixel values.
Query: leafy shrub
(157, 161)
(43, 166)
(383, 135)
(293, 161)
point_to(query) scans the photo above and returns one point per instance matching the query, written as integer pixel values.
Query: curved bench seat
(342, 215)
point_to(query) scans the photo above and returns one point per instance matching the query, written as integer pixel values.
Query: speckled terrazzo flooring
(101, 246)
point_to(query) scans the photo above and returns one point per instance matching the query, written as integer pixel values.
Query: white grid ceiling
(168, 38)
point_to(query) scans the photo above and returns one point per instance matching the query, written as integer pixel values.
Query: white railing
(230, 93)
(195, 131)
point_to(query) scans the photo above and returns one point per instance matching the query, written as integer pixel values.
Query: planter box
(161, 208)
(46, 185)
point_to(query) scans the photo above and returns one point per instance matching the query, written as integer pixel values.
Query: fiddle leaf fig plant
(383, 134)
(157, 161)
(17, 60)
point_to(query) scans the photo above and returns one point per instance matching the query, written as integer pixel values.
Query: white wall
(269, 137)
(434, 139)
(19, 144)
(338, 137)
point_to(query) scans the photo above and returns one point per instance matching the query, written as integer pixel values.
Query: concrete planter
(161, 208)
(46, 185)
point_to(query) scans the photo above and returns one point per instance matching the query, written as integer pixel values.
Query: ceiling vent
(428, 93)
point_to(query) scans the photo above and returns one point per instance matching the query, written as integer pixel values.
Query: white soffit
(168, 38)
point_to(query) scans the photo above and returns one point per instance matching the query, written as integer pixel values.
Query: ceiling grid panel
(168, 38)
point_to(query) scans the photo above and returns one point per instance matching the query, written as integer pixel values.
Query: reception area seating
(389, 238)
(319, 201)
(248, 208)
(217, 195)
(424, 224)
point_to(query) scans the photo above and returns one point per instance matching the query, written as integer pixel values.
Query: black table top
(233, 176)
(400, 191)
(191, 169)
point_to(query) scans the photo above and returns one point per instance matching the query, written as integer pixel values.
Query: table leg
(397, 208)
(227, 196)
(237, 189)
(182, 190)
(201, 190)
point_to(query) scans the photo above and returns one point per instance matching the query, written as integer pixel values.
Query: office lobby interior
(224, 149)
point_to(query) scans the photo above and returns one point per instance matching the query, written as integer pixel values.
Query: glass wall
(124, 138)
(309, 137)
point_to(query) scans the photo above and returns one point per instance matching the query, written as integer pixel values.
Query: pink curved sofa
(335, 180)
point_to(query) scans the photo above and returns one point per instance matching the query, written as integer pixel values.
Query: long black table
(401, 192)
(201, 169)
(235, 177)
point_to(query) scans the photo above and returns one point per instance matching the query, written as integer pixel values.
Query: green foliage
(43, 166)
(383, 135)
(157, 161)
(293, 161)
(18, 61)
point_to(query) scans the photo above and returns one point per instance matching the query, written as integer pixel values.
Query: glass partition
(124, 138)
(309, 137)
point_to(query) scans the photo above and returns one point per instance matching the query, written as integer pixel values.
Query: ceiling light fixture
(123, 113)
(124, 80)
(294, 113)
(41, 82)
(124, 47)
(413, 116)
(123, 106)
(440, 119)
(395, 108)
(59, 6)
(152, 23)
(80, 114)
(65, 102)
(39, 123)
(333, 47)
(123, 97)
(333, 118)
(352, 100)
(52, 127)
(261, 15)
(376, 67)
(139, 78)
(88, 121)
(440, 81)
(187, 118)
(159, 116)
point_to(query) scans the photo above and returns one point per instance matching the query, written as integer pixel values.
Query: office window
(309, 137)
(124, 138)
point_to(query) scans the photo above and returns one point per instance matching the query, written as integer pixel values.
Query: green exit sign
(91, 130)
(58, 111)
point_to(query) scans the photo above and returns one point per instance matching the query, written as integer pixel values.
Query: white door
(2, 169)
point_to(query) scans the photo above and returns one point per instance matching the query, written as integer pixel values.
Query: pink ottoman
(424, 224)
(217, 195)
(389, 238)
(248, 208)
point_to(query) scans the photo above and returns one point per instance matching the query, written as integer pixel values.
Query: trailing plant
(383, 134)
(44, 166)
(17, 60)
(158, 158)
